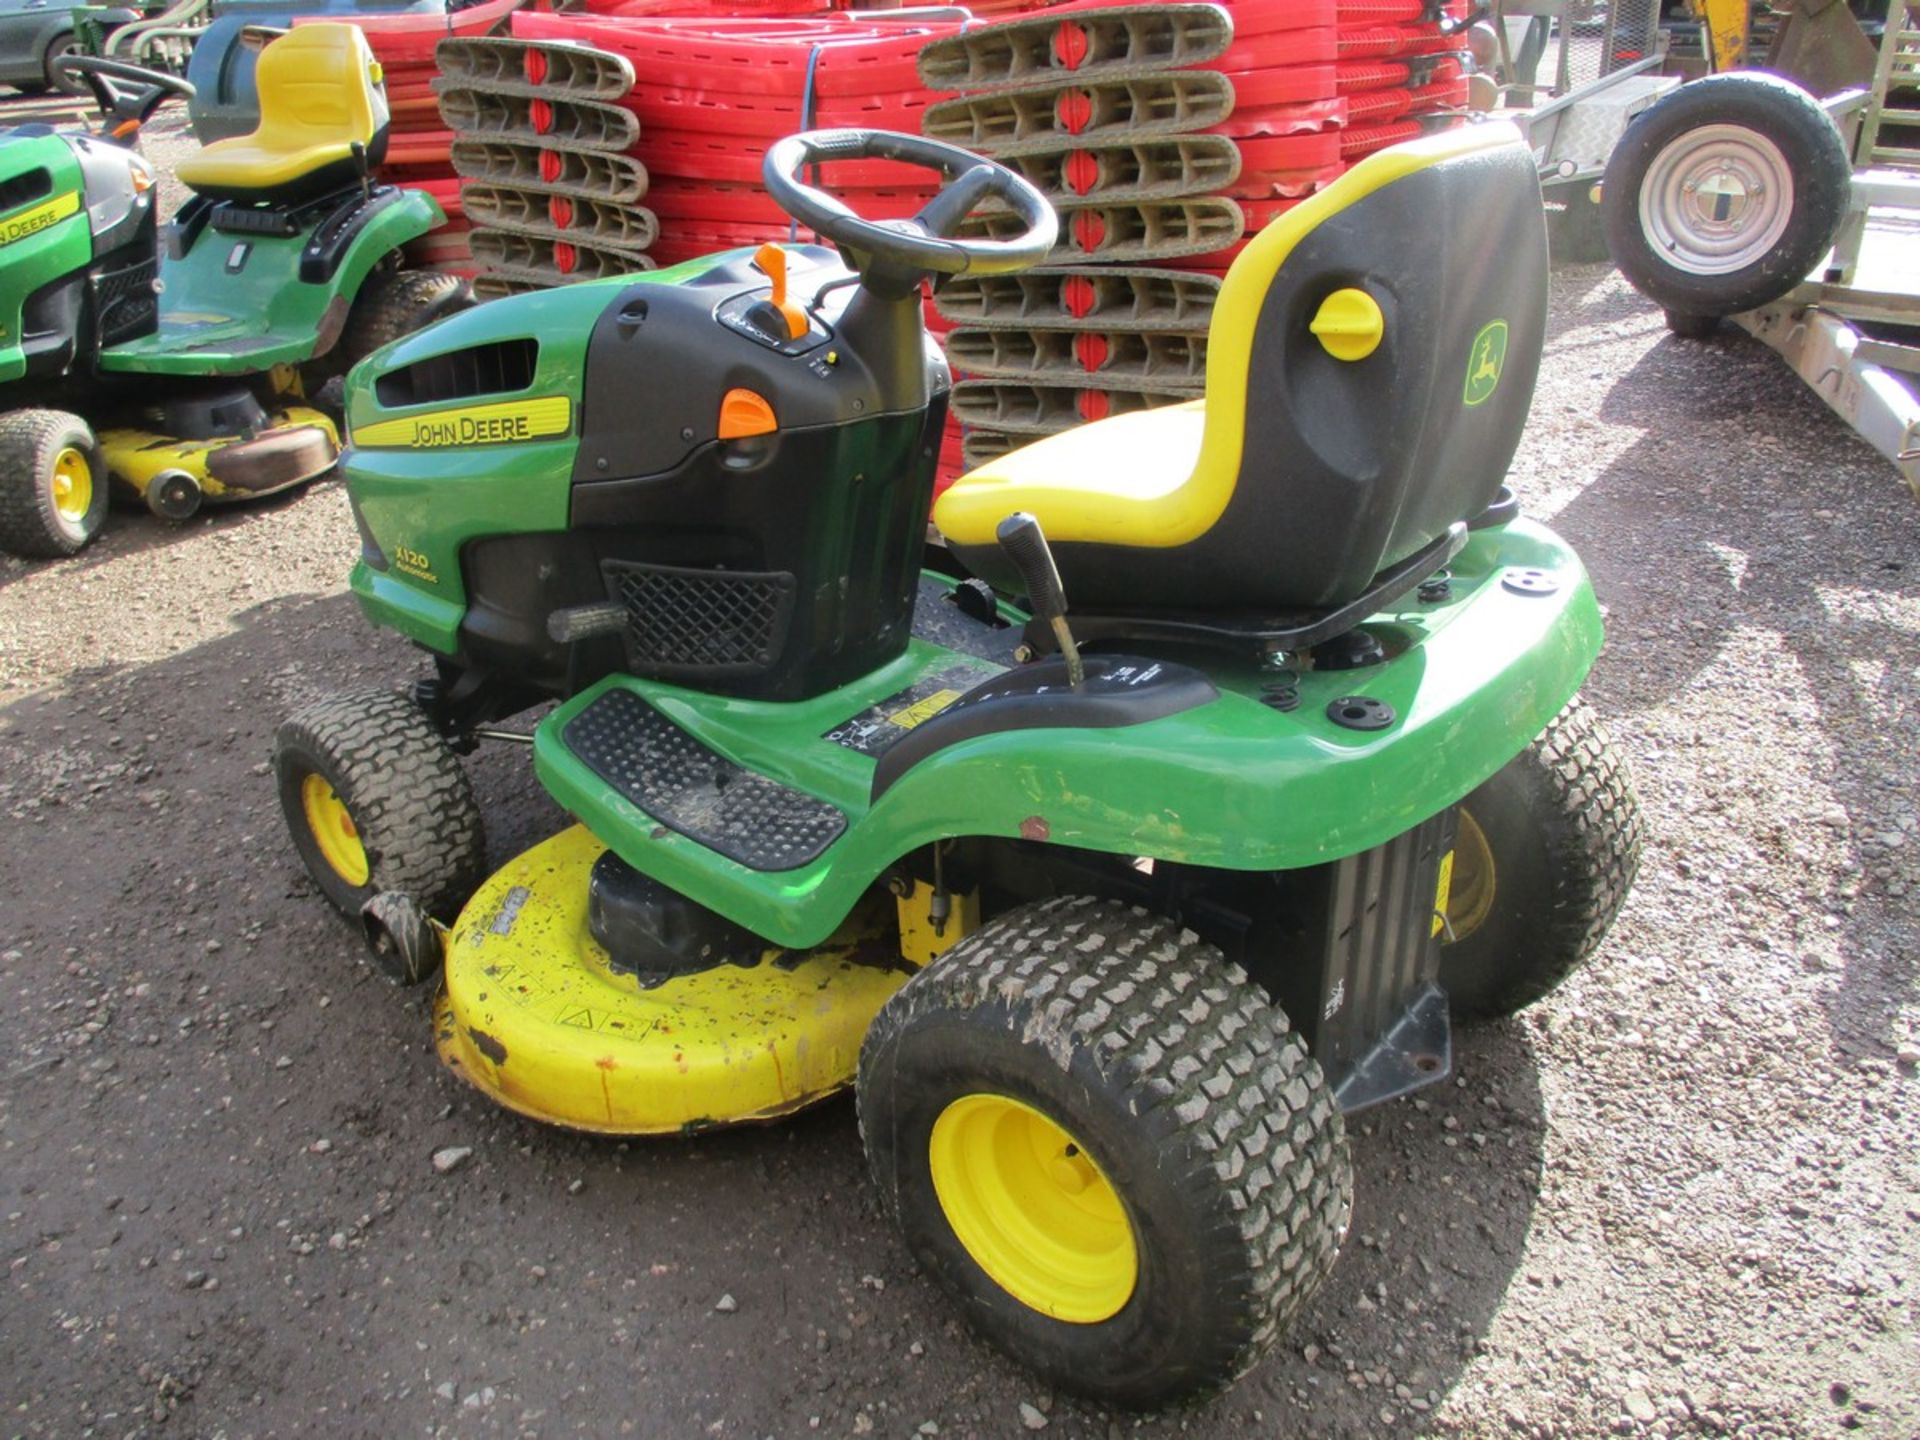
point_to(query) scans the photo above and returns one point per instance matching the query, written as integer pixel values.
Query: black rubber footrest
(705, 797)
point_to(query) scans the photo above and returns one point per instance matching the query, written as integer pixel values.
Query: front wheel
(1107, 1144)
(53, 485)
(1724, 195)
(1543, 857)
(376, 801)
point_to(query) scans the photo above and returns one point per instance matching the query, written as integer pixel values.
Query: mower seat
(1370, 362)
(320, 97)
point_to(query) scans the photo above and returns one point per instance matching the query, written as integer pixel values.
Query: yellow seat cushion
(1119, 481)
(319, 97)
(243, 163)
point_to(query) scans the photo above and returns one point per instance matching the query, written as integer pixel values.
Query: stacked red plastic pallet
(711, 95)
(1166, 135)
(417, 141)
(543, 149)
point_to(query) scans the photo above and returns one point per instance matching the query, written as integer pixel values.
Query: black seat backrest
(1347, 467)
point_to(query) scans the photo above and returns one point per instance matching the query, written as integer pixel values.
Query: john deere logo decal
(1484, 365)
(32, 222)
(503, 423)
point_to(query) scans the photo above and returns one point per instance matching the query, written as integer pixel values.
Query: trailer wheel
(1543, 858)
(375, 801)
(53, 484)
(1106, 1143)
(1724, 195)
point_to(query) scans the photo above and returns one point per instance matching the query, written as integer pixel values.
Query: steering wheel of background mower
(123, 105)
(923, 244)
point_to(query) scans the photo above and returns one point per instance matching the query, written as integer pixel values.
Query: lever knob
(1026, 545)
(1021, 537)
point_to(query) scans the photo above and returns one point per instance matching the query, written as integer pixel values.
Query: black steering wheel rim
(919, 244)
(100, 71)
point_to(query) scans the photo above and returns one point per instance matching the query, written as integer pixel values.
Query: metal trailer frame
(1852, 331)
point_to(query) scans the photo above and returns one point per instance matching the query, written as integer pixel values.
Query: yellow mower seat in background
(320, 95)
(1370, 361)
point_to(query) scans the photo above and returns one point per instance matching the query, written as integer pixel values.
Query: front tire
(1106, 1143)
(375, 801)
(53, 484)
(1724, 195)
(1543, 858)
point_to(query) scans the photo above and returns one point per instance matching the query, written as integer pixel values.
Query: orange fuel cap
(743, 413)
(772, 261)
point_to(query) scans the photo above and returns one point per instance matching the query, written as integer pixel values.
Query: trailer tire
(1543, 858)
(1139, 1065)
(1721, 197)
(375, 801)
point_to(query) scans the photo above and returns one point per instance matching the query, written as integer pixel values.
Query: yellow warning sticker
(32, 222)
(921, 710)
(506, 422)
(1443, 893)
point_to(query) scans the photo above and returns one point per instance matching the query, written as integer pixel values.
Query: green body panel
(40, 255)
(213, 322)
(418, 503)
(1232, 784)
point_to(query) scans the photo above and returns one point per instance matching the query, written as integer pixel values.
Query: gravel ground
(1680, 1197)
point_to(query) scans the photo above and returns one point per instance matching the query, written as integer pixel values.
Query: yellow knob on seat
(1349, 324)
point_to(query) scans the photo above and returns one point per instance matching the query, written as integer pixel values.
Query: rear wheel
(394, 305)
(1108, 1145)
(374, 801)
(53, 485)
(1543, 857)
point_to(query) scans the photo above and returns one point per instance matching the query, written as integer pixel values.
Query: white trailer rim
(1716, 199)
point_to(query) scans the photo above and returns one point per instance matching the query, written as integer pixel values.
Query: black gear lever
(1026, 545)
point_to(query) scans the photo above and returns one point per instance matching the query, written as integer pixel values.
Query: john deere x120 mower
(192, 350)
(1245, 752)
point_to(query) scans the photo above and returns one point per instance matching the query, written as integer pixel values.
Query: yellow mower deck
(136, 457)
(534, 1015)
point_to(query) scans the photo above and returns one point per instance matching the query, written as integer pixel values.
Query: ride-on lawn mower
(1108, 912)
(196, 348)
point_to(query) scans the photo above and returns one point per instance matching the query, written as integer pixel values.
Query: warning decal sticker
(878, 728)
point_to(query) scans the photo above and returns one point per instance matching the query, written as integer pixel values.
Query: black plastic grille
(27, 186)
(500, 367)
(705, 622)
(124, 302)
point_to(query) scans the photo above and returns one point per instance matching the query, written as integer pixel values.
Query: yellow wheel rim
(1033, 1209)
(1470, 900)
(72, 486)
(333, 830)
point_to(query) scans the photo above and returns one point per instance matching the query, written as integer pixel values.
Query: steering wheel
(124, 105)
(924, 244)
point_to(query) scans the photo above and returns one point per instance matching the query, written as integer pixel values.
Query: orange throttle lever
(772, 261)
